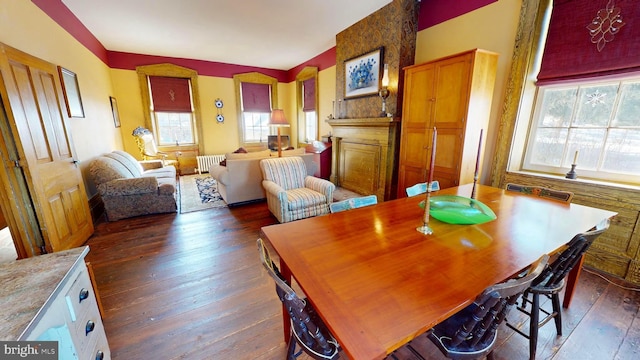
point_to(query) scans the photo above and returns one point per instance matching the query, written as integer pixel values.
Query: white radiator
(206, 161)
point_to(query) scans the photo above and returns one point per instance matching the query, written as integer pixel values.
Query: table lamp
(278, 120)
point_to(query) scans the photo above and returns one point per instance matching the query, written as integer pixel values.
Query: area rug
(199, 192)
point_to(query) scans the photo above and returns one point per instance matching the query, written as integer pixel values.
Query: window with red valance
(587, 106)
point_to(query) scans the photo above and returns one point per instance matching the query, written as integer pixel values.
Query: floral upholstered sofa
(131, 188)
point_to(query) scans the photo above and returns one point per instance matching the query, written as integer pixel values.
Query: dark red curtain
(309, 95)
(170, 94)
(590, 38)
(256, 97)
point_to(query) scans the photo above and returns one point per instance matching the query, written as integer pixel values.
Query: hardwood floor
(190, 286)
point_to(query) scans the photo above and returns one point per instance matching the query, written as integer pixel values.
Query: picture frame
(114, 111)
(71, 92)
(362, 74)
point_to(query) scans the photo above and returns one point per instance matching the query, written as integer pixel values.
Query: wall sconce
(384, 91)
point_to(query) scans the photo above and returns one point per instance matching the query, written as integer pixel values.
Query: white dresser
(50, 297)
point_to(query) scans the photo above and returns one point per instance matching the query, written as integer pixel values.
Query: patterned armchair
(291, 193)
(131, 188)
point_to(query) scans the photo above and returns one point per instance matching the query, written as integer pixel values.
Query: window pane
(622, 151)
(557, 107)
(548, 146)
(174, 128)
(256, 126)
(311, 127)
(628, 113)
(590, 143)
(595, 105)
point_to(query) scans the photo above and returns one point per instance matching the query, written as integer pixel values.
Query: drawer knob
(89, 327)
(99, 355)
(84, 294)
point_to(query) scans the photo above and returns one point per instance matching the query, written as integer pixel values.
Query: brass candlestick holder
(425, 229)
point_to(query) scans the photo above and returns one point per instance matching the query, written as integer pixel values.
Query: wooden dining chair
(472, 332)
(307, 329)
(353, 203)
(560, 195)
(550, 283)
(421, 188)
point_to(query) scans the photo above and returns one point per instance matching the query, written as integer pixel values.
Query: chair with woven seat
(307, 329)
(559, 195)
(353, 203)
(291, 193)
(550, 283)
(421, 188)
(472, 332)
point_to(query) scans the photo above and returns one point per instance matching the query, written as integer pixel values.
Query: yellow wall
(25, 27)
(492, 28)
(326, 97)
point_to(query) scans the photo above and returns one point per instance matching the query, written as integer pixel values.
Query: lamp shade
(277, 118)
(385, 75)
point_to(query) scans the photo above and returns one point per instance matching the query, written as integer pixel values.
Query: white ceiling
(275, 34)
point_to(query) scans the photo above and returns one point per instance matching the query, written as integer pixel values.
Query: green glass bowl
(453, 209)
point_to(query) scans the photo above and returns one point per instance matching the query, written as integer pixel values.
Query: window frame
(568, 151)
(305, 74)
(171, 70)
(256, 78)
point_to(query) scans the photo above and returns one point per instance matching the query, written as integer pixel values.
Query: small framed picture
(114, 111)
(71, 92)
(362, 74)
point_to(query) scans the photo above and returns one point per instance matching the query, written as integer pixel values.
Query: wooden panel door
(39, 125)
(416, 125)
(450, 109)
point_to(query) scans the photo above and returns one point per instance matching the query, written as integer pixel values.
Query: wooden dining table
(378, 283)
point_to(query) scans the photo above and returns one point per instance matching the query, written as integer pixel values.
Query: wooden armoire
(452, 94)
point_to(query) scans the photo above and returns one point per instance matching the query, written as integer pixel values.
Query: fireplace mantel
(364, 155)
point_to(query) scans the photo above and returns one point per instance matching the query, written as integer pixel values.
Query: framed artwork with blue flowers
(362, 74)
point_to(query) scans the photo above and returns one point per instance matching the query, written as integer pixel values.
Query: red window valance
(590, 38)
(256, 97)
(309, 95)
(170, 94)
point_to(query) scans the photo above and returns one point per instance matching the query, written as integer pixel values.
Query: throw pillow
(240, 150)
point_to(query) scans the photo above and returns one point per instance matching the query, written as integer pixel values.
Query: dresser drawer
(79, 296)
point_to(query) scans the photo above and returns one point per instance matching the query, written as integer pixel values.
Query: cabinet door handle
(89, 327)
(100, 355)
(84, 294)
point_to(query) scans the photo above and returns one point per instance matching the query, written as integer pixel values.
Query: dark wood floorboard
(190, 286)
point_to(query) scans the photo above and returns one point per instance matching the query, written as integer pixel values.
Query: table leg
(286, 321)
(572, 280)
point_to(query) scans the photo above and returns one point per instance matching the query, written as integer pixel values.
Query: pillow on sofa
(240, 150)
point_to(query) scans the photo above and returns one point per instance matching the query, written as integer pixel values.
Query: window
(174, 128)
(257, 94)
(579, 100)
(596, 124)
(171, 98)
(307, 99)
